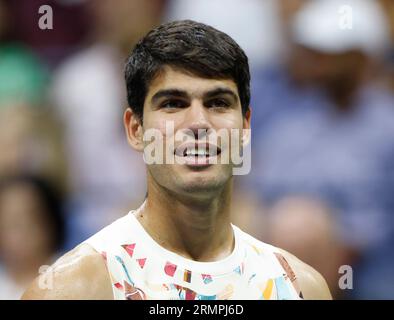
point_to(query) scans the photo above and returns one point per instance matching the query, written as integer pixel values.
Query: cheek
(158, 122)
(234, 126)
(165, 129)
(159, 142)
(165, 126)
(227, 122)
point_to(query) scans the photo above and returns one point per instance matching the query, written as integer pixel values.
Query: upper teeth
(196, 152)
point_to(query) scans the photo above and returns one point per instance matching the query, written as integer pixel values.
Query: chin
(201, 183)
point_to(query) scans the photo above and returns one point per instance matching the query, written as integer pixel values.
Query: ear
(134, 132)
(246, 126)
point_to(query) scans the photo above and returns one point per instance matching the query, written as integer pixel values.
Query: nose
(197, 120)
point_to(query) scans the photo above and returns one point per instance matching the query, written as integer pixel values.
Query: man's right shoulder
(79, 274)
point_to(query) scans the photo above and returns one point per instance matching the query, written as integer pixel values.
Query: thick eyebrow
(221, 91)
(169, 93)
(183, 94)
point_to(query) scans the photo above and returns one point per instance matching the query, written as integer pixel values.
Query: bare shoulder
(79, 274)
(312, 284)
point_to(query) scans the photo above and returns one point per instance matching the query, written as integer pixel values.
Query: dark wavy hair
(186, 45)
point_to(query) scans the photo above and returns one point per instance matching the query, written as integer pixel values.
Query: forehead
(194, 85)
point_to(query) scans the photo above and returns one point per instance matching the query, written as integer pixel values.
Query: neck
(197, 230)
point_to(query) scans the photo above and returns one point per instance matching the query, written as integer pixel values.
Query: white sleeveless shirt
(139, 268)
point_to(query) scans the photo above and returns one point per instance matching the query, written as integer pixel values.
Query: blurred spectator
(22, 76)
(388, 70)
(31, 231)
(253, 24)
(106, 176)
(70, 27)
(326, 129)
(388, 7)
(30, 138)
(307, 228)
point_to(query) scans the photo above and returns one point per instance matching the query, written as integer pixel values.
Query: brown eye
(219, 103)
(173, 104)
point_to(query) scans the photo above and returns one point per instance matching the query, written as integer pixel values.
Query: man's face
(197, 109)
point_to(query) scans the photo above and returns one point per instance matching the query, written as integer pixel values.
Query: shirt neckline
(222, 266)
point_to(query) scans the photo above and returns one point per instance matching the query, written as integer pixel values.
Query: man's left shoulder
(312, 284)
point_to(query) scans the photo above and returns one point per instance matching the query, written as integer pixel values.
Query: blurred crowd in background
(322, 178)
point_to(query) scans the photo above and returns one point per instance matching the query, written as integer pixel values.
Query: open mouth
(197, 154)
(197, 150)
